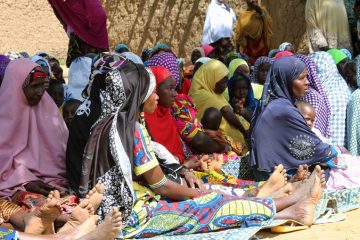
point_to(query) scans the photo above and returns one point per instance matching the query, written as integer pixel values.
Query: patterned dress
(153, 215)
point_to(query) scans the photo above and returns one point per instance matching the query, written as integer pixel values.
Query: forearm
(230, 116)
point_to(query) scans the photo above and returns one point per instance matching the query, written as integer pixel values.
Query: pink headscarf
(283, 54)
(87, 18)
(207, 49)
(33, 138)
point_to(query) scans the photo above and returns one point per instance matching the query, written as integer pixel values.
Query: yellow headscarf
(234, 64)
(203, 86)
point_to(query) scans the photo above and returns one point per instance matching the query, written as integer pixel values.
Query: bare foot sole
(301, 173)
(41, 220)
(79, 215)
(108, 229)
(283, 192)
(95, 195)
(276, 181)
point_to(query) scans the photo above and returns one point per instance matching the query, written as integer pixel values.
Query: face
(151, 103)
(35, 90)
(241, 89)
(243, 69)
(350, 75)
(195, 55)
(263, 69)
(340, 66)
(69, 111)
(300, 85)
(221, 85)
(167, 93)
(56, 91)
(309, 115)
(252, 2)
(290, 48)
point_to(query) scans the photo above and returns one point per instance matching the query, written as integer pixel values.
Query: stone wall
(30, 25)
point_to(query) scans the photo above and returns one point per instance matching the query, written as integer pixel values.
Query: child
(56, 91)
(69, 110)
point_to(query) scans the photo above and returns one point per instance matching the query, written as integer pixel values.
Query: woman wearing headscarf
(122, 48)
(317, 97)
(85, 23)
(253, 31)
(279, 133)
(168, 60)
(258, 76)
(135, 182)
(337, 92)
(208, 85)
(33, 135)
(197, 53)
(286, 46)
(340, 58)
(90, 111)
(327, 25)
(236, 66)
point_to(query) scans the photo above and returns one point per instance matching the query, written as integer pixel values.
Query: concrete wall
(31, 25)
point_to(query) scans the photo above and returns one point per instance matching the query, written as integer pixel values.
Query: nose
(306, 81)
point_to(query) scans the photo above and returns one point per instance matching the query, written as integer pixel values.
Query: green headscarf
(234, 64)
(337, 55)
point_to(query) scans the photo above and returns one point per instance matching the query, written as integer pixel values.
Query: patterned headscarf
(105, 62)
(347, 53)
(317, 97)
(168, 60)
(133, 57)
(337, 91)
(283, 46)
(4, 61)
(13, 55)
(257, 64)
(121, 46)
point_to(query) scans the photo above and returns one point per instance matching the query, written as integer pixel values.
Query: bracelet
(159, 184)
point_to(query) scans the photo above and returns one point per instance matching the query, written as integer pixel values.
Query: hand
(192, 163)
(39, 187)
(192, 181)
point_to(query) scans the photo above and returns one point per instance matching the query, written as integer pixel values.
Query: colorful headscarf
(257, 64)
(273, 52)
(133, 57)
(317, 97)
(207, 49)
(160, 47)
(347, 52)
(337, 91)
(234, 64)
(283, 54)
(283, 46)
(13, 55)
(337, 55)
(161, 124)
(4, 61)
(42, 62)
(201, 51)
(168, 60)
(121, 46)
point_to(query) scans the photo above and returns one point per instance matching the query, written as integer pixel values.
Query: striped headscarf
(167, 60)
(337, 91)
(317, 97)
(257, 64)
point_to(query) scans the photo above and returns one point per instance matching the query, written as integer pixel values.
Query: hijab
(283, 54)
(121, 46)
(317, 97)
(161, 124)
(33, 138)
(234, 64)
(201, 51)
(337, 91)
(257, 64)
(337, 55)
(207, 49)
(347, 53)
(109, 152)
(283, 46)
(278, 121)
(168, 60)
(133, 57)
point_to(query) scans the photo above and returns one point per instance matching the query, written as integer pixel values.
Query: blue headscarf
(251, 102)
(121, 46)
(279, 133)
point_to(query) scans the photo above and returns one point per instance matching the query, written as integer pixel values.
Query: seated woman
(135, 183)
(340, 59)
(209, 82)
(236, 66)
(241, 96)
(279, 133)
(33, 136)
(258, 76)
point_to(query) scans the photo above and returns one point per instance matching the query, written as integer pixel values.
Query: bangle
(159, 184)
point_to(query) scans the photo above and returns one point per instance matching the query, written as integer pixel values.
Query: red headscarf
(283, 54)
(161, 123)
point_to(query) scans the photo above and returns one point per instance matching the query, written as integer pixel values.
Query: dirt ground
(349, 229)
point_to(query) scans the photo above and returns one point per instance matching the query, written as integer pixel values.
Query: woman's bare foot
(95, 195)
(108, 229)
(276, 181)
(301, 173)
(79, 215)
(303, 211)
(283, 192)
(41, 220)
(320, 174)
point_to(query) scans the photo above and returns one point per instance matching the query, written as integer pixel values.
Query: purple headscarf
(317, 97)
(257, 64)
(4, 61)
(278, 121)
(167, 60)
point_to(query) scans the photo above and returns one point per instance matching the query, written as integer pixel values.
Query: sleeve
(144, 157)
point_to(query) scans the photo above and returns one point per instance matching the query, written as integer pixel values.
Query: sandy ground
(348, 229)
